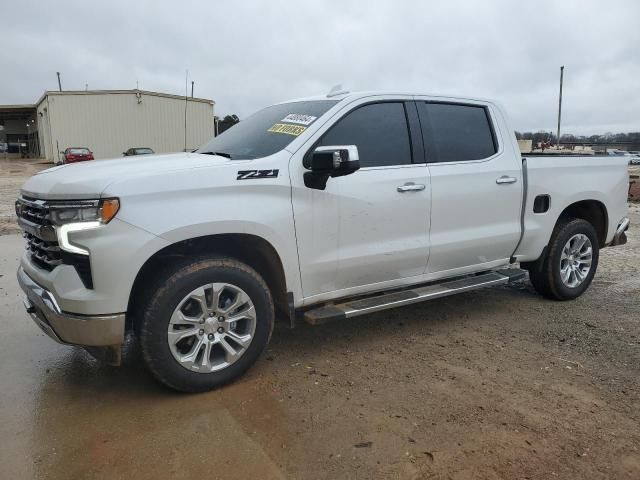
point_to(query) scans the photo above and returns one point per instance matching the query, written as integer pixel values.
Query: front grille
(44, 254)
(39, 234)
(34, 211)
(42, 243)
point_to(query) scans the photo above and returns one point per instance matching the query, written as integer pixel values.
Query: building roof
(120, 92)
(8, 112)
(24, 106)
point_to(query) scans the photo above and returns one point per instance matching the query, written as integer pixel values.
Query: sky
(248, 54)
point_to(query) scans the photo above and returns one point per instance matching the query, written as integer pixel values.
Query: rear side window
(455, 133)
(380, 132)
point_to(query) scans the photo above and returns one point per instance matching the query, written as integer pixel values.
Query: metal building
(108, 122)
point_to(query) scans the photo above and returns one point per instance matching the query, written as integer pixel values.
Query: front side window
(457, 132)
(380, 132)
(267, 131)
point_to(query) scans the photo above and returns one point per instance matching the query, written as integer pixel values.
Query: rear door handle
(506, 179)
(411, 187)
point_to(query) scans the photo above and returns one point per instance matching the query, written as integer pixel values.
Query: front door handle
(506, 179)
(411, 187)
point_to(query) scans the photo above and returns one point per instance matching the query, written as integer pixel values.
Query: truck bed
(568, 179)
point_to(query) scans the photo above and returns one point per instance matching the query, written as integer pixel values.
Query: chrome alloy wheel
(575, 260)
(211, 327)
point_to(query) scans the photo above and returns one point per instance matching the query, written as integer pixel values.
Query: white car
(319, 209)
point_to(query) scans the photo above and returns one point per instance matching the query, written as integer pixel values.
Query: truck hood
(89, 179)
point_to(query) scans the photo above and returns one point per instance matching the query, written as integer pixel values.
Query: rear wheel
(205, 324)
(566, 271)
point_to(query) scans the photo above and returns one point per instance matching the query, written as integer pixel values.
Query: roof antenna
(336, 90)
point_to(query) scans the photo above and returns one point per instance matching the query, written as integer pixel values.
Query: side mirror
(330, 161)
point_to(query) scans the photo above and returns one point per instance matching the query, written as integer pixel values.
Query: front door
(368, 229)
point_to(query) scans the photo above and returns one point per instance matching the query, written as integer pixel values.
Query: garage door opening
(19, 131)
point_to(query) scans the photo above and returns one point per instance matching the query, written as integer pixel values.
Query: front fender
(210, 201)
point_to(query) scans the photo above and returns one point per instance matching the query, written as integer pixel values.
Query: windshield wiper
(220, 154)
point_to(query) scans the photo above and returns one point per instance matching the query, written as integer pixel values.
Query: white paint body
(359, 235)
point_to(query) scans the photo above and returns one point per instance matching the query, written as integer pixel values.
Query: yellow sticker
(294, 130)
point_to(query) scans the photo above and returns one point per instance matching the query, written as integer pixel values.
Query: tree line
(550, 137)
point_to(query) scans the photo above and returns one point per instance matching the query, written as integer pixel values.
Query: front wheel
(205, 323)
(566, 271)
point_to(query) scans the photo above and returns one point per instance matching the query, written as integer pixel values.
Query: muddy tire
(204, 323)
(567, 269)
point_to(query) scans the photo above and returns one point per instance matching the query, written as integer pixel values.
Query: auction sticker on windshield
(294, 130)
(299, 118)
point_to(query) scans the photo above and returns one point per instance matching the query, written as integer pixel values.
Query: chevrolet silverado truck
(319, 209)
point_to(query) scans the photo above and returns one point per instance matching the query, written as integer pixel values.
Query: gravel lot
(497, 383)
(13, 174)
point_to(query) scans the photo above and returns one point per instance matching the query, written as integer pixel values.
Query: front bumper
(74, 329)
(620, 237)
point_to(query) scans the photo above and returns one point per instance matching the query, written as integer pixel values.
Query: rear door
(476, 186)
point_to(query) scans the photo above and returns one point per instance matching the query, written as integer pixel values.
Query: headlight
(81, 211)
(80, 215)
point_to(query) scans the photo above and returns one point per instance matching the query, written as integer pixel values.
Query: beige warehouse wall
(526, 146)
(109, 123)
(44, 134)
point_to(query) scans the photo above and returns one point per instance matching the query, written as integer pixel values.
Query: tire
(175, 300)
(547, 274)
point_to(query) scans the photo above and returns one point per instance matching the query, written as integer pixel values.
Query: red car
(77, 154)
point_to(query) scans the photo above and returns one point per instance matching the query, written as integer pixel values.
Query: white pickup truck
(320, 209)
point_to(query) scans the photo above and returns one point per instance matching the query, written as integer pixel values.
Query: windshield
(78, 151)
(267, 131)
(143, 151)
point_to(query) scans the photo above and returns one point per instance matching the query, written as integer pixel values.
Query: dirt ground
(493, 384)
(13, 174)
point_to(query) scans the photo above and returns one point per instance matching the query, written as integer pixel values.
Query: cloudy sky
(248, 54)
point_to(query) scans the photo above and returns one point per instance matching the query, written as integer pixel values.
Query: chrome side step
(354, 308)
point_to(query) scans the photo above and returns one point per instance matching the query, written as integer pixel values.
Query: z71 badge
(249, 174)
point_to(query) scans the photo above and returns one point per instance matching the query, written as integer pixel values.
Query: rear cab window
(455, 132)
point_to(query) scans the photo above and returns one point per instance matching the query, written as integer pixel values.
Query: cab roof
(370, 93)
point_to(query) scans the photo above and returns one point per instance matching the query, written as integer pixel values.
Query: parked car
(4, 147)
(76, 154)
(138, 151)
(319, 209)
(616, 153)
(634, 160)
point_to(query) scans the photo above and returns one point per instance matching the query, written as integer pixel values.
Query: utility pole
(560, 107)
(59, 83)
(192, 82)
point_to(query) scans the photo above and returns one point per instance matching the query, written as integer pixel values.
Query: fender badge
(249, 174)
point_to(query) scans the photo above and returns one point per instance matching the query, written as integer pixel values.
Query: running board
(363, 306)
